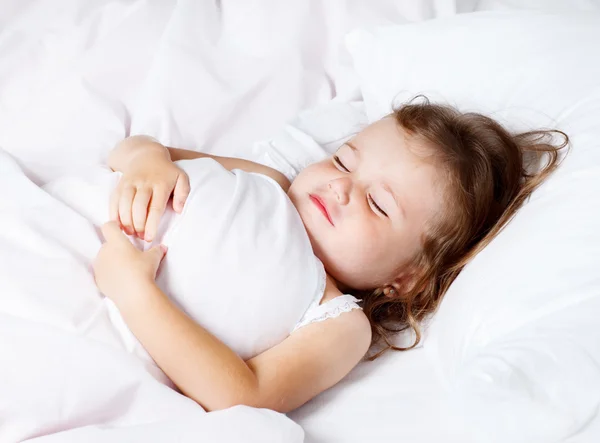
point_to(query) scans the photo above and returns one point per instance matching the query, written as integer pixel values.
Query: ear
(402, 284)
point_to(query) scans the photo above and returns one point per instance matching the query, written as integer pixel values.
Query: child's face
(379, 192)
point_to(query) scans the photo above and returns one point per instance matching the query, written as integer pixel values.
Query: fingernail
(164, 248)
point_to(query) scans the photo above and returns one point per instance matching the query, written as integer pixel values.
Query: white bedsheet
(76, 77)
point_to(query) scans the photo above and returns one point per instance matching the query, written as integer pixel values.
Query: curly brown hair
(490, 174)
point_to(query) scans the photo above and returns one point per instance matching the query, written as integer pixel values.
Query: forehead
(387, 137)
(389, 146)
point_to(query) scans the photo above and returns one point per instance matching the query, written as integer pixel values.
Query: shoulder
(277, 176)
(281, 179)
(345, 338)
(353, 323)
(231, 163)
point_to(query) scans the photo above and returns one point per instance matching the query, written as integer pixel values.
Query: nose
(341, 188)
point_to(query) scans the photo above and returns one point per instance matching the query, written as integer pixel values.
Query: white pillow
(517, 337)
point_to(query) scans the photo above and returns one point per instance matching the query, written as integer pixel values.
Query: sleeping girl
(356, 248)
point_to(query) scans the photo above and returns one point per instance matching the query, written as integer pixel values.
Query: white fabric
(330, 309)
(68, 361)
(239, 262)
(516, 337)
(78, 77)
(309, 137)
(560, 6)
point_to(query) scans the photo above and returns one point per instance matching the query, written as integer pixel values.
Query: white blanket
(66, 360)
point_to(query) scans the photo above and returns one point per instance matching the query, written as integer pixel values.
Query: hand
(139, 200)
(121, 270)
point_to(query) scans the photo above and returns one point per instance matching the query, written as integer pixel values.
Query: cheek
(362, 235)
(360, 247)
(313, 172)
(306, 180)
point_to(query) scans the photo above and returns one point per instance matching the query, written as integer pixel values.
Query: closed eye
(376, 205)
(339, 163)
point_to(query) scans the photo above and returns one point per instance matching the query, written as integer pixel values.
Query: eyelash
(337, 160)
(376, 206)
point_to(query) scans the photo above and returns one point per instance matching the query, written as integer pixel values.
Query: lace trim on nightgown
(330, 309)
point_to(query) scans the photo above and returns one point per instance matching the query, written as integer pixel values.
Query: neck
(332, 283)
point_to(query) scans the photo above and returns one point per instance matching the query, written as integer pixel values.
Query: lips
(320, 204)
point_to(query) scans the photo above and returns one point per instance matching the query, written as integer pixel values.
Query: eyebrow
(353, 147)
(390, 190)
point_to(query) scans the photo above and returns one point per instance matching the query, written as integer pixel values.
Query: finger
(112, 232)
(182, 190)
(125, 204)
(157, 253)
(156, 256)
(158, 203)
(139, 209)
(113, 204)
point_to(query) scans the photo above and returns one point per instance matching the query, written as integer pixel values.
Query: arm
(127, 150)
(282, 378)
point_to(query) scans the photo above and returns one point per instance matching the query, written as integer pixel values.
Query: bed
(297, 78)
